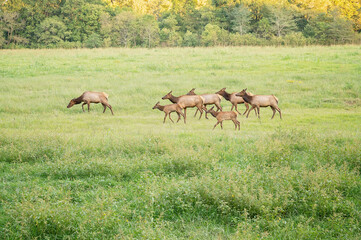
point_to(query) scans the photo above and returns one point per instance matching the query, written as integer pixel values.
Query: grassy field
(66, 174)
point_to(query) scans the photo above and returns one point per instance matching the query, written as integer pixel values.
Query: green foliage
(51, 31)
(211, 35)
(124, 29)
(282, 21)
(264, 29)
(241, 18)
(94, 41)
(166, 23)
(330, 29)
(148, 31)
(10, 27)
(190, 39)
(82, 18)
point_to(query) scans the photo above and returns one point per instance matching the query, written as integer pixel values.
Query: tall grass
(66, 174)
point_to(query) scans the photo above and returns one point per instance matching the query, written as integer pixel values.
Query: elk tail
(275, 98)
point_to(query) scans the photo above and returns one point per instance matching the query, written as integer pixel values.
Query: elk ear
(245, 89)
(223, 89)
(157, 103)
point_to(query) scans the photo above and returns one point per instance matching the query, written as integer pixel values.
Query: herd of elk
(191, 100)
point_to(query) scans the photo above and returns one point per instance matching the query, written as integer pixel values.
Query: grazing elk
(168, 109)
(221, 116)
(185, 102)
(233, 99)
(208, 100)
(257, 101)
(91, 97)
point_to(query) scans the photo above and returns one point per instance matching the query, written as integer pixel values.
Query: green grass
(66, 174)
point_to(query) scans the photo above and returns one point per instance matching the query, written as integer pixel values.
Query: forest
(177, 23)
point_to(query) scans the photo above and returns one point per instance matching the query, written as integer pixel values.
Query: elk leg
(205, 110)
(88, 106)
(274, 111)
(237, 109)
(195, 114)
(180, 112)
(222, 125)
(82, 106)
(258, 112)
(279, 110)
(110, 107)
(247, 107)
(251, 110)
(165, 117)
(170, 118)
(200, 109)
(105, 107)
(235, 124)
(218, 107)
(185, 115)
(178, 116)
(232, 107)
(239, 125)
(215, 125)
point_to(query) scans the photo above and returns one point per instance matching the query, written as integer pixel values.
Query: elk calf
(257, 101)
(91, 97)
(168, 109)
(221, 116)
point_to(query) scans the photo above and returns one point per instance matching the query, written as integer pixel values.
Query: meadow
(65, 174)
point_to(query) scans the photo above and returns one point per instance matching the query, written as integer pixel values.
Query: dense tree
(329, 29)
(82, 18)
(94, 41)
(124, 29)
(241, 18)
(211, 35)
(264, 29)
(11, 25)
(151, 23)
(282, 21)
(51, 31)
(190, 39)
(169, 34)
(148, 31)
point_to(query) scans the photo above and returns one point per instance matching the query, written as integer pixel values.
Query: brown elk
(257, 101)
(233, 99)
(185, 102)
(221, 116)
(208, 100)
(168, 109)
(91, 97)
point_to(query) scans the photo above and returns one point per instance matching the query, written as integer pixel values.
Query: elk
(221, 116)
(91, 97)
(233, 99)
(257, 101)
(208, 100)
(186, 101)
(168, 109)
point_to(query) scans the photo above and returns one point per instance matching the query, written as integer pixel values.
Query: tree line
(176, 23)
